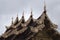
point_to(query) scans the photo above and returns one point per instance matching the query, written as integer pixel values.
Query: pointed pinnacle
(31, 14)
(12, 20)
(31, 11)
(23, 13)
(17, 16)
(44, 5)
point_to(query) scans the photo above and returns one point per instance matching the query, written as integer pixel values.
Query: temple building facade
(41, 28)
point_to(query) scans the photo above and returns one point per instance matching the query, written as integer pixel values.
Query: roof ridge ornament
(31, 13)
(17, 14)
(12, 20)
(23, 15)
(23, 19)
(17, 17)
(44, 6)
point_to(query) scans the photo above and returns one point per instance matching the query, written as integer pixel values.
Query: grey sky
(9, 9)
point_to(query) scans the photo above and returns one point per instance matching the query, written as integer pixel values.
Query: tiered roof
(25, 30)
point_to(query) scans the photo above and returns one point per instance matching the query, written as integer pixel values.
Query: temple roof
(30, 28)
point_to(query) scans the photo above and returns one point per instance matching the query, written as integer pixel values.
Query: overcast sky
(10, 8)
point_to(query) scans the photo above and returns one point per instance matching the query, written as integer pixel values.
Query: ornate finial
(23, 20)
(12, 20)
(44, 7)
(31, 12)
(23, 13)
(17, 17)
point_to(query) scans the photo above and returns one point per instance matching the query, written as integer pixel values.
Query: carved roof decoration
(25, 30)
